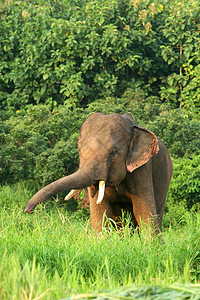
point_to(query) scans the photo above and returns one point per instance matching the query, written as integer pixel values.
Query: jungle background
(60, 61)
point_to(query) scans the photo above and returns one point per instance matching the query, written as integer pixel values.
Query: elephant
(123, 166)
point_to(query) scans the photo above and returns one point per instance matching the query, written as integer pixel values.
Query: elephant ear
(143, 146)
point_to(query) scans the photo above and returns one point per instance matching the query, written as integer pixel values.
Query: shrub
(38, 132)
(57, 162)
(134, 101)
(185, 185)
(179, 130)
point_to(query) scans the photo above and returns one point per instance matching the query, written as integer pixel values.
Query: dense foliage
(62, 60)
(65, 52)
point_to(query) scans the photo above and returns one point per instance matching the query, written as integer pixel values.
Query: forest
(62, 60)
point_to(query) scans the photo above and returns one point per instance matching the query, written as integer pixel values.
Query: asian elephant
(123, 166)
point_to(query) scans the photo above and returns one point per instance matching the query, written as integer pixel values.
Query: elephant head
(110, 146)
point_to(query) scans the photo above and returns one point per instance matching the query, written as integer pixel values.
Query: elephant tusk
(70, 195)
(102, 184)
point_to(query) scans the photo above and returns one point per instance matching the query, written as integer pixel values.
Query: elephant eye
(114, 152)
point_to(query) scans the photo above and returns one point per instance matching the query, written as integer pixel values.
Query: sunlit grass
(53, 254)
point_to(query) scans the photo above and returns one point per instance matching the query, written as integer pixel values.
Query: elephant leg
(162, 170)
(145, 213)
(160, 212)
(99, 212)
(141, 193)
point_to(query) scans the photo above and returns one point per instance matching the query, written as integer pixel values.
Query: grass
(53, 254)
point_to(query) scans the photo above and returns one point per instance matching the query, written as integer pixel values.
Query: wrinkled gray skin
(134, 163)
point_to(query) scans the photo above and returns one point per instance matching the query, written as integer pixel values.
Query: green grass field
(53, 254)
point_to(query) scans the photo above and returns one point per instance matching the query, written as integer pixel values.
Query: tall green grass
(53, 254)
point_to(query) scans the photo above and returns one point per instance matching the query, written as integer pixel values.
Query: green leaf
(160, 8)
(45, 76)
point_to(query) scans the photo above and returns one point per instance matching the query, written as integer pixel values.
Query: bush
(185, 185)
(57, 162)
(184, 190)
(134, 101)
(38, 132)
(179, 130)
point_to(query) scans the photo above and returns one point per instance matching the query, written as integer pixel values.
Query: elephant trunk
(78, 180)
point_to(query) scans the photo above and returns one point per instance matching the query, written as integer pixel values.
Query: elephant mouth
(100, 188)
(110, 178)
